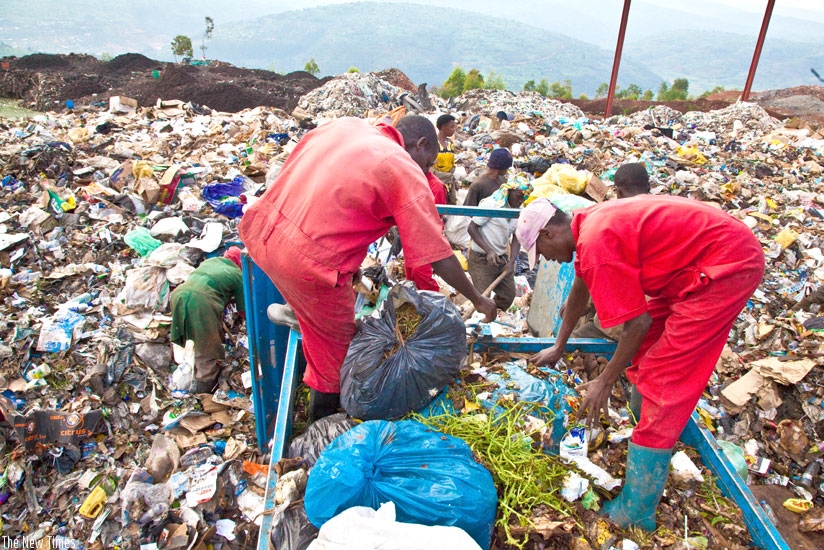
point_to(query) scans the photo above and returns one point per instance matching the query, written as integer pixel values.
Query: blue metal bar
(450, 210)
(267, 347)
(534, 345)
(283, 429)
(762, 530)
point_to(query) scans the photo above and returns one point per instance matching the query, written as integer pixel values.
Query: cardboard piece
(186, 441)
(784, 372)
(170, 107)
(752, 383)
(122, 176)
(122, 104)
(195, 422)
(169, 184)
(208, 404)
(54, 426)
(596, 189)
(222, 417)
(148, 190)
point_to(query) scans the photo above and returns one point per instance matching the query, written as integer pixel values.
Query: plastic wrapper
(431, 477)
(360, 527)
(141, 240)
(551, 395)
(384, 378)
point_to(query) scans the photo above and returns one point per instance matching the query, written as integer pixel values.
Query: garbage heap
(106, 208)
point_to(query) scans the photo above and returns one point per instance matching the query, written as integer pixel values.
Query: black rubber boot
(322, 404)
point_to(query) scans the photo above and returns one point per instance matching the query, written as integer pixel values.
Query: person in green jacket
(197, 313)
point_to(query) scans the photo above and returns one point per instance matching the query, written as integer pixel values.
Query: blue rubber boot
(647, 471)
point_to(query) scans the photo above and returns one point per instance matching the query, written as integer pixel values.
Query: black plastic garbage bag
(291, 529)
(317, 436)
(383, 378)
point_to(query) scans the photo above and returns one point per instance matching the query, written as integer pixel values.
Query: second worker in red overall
(698, 265)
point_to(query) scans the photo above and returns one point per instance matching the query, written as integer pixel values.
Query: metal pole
(617, 61)
(757, 54)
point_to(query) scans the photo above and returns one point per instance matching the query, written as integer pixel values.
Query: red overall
(342, 188)
(698, 265)
(422, 275)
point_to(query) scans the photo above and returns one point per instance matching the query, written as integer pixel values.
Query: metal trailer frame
(273, 357)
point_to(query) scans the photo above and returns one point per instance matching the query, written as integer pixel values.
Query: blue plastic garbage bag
(382, 379)
(550, 394)
(431, 477)
(223, 197)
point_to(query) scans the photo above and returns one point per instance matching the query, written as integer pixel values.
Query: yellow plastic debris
(797, 505)
(786, 237)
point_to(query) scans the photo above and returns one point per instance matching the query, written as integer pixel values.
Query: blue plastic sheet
(223, 197)
(550, 394)
(431, 477)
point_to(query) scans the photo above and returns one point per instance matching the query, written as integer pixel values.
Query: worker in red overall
(344, 185)
(422, 275)
(698, 266)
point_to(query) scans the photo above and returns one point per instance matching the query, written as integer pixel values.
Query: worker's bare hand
(549, 356)
(487, 307)
(596, 401)
(498, 260)
(510, 266)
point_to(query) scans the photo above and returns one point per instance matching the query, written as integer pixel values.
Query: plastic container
(770, 513)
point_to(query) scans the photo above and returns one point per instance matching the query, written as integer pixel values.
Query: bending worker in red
(697, 265)
(344, 185)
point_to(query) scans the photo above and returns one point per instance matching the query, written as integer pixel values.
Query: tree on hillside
(602, 90)
(494, 81)
(647, 95)
(715, 90)
(311, 67)
(633, 91)
(529, 86)
(561, 90)
(207, 34)
(182, 46)
(678, 90)
(353, 70)
(542, 87)
(474, 80)
(454, 85)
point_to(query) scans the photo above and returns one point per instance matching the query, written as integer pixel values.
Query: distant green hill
(425, 42)
(711, 59)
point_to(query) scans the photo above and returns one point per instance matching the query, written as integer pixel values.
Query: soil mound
(43, 81)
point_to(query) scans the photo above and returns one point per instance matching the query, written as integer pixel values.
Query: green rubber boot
(647, 471)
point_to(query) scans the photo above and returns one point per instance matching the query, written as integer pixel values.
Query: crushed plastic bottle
(769, 511)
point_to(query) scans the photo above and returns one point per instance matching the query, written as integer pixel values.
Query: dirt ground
(46, 82)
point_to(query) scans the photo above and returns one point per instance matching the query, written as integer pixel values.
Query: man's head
(500, 159)
(419, 140)
(631, 179)
(446, 125)
(545, 230)
(515, 198)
